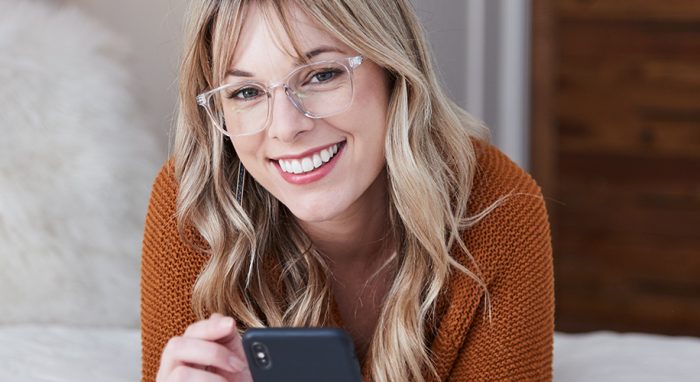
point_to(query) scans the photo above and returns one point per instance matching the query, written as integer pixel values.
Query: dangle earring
(240, 183)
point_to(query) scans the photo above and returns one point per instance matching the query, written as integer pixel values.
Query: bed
(32, 353)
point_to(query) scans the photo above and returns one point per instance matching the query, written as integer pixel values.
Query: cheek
(246, 150)
(242, 150)
(369, 110)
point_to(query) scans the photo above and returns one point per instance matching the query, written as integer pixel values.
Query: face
(352, 142)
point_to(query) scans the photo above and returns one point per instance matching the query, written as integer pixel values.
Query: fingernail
(226, 323)
(236, 363)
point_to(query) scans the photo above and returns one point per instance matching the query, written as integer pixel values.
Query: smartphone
(301, 355)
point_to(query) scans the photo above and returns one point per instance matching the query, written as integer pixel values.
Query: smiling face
(321, 169)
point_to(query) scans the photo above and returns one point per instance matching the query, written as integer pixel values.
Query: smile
(310, 162)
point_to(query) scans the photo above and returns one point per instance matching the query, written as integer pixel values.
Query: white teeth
(296, 166)
(317, 161)
(306, 164)
(325, 156)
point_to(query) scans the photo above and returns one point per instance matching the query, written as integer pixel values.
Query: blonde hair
(263, 269)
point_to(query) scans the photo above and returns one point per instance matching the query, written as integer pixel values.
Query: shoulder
(165, 185)
(160, 216)
(496, 175)
(511, 247)
(163, 244)
(511, 220)
(169, 269)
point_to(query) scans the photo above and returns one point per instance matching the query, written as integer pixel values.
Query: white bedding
(33, 353)
(610, 356)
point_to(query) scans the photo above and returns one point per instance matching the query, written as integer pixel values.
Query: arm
(517, 344)
(168, 271)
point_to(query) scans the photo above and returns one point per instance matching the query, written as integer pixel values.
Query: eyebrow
(309, 55)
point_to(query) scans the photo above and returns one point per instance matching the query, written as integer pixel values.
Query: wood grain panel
(667, 10)
(542, 133)
(600, 294)
(635, 137)
(640, 170)
(610, 41)
(649, 260)
(625, 137)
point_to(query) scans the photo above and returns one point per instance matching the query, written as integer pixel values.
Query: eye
(244, 94)
(324, 76)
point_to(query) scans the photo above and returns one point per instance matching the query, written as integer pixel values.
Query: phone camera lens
(260, 355)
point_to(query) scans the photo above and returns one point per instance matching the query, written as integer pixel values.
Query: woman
(323, 178)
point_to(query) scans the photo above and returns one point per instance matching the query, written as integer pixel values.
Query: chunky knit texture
(511, 245)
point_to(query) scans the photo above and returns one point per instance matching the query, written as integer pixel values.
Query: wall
(482, 50)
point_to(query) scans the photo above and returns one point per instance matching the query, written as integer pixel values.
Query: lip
(305, 153)
(314, 175)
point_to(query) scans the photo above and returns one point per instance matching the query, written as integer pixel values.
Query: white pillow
(76, 164)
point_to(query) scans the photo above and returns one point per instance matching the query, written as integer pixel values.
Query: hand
(210, 350)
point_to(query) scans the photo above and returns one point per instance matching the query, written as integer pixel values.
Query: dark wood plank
(641, 170)
(643, 259)
(542, 132)
(643, 10)
(585, 42)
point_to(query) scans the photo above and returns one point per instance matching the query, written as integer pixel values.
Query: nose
(287, 123)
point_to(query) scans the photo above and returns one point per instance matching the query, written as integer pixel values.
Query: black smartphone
(301, 355)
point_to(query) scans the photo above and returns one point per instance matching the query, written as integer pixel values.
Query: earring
(240, 183)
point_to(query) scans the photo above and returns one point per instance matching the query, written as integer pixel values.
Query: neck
(358, 238)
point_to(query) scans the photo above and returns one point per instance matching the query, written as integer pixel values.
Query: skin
(344, 213)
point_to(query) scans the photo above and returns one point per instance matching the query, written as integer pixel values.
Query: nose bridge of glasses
(290, 93)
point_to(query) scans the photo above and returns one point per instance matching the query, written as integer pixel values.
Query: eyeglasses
(318, 90)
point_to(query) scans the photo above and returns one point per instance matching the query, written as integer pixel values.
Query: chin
(315, 211)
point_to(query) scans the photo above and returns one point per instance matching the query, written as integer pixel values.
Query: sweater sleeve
(169, 268)
(517, 344)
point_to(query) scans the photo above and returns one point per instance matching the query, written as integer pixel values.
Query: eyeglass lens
(318, 90)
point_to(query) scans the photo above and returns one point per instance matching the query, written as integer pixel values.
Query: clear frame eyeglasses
(318, 90)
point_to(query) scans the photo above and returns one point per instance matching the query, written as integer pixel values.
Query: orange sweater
(511, 245)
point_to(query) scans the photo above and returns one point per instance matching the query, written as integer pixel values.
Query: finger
(212, 329)
(239, 376)
(194, 351)
(234, 343)
(184, 373)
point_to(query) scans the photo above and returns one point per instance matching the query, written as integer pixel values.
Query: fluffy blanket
(76, 165)
(48, 353)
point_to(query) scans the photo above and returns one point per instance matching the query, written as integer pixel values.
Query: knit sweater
(511, 245)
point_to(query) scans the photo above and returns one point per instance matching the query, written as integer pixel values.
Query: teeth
(306, 164)
(317, 161)
(325, 156)
(296, 166)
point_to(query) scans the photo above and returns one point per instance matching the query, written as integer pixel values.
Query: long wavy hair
(262, 268)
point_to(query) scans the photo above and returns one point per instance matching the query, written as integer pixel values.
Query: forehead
(266, 39)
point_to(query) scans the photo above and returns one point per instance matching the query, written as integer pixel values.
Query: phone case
(301, 355)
